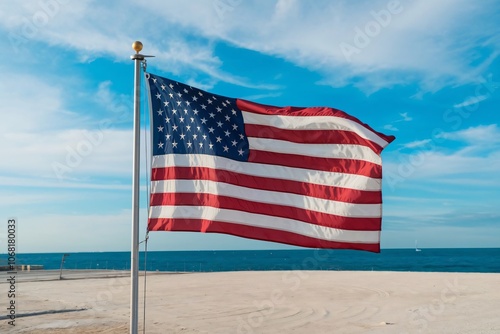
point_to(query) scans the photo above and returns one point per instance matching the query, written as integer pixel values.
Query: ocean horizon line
(252, 250)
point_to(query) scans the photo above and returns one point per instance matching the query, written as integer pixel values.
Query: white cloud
(426, 42)
(390, 127)
(405, 116)
(417, 143)
(471, 162)
(37, 182)
(117, 104)
(92, 232)
(482, 134)
(474, 165)
(471, 100)
(42, 139)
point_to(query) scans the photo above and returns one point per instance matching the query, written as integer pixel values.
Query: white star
(195, 111)
(228, 102)
(181, 119)
(200, 94)
(233, 111)
(219, 124)
(211, 130)
(171, 95)
(227, 133)
(234, 142)
(188, 127)
(240, 152)
(203, 107)
(195, 98)
(163, 87)
(242, 136)
(235, 127)
(166, 103)
(211, 146)
(212, 115)
(171, 86)
(188, 103)
(203, 120)
(174, 144)
(226, 149)
(160, 112)
(204, 137)
(174, 111)
(160, 145)
(179, 94)
(158, 96)
(178, 103)
(167, 137)
(198, 128)
(182, 136)
(195, 136)
(189, 144)
(192, 119)
(218, 109)
(201, 145)
(174, 127)
(185, 111)
(167, 120)
(209, 101)
(219, 139)
(160, 128)
(227, 118)
(154, 80)
(224, 104)
(185, 90)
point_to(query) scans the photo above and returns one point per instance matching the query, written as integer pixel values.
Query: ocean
(483, 260)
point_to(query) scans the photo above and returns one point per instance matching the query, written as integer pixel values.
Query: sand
(260, 302)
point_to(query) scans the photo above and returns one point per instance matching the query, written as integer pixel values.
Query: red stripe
(207, 226)
(347, 166)
(310, 136)
(304, 112)
(256, 182)
(231, 203)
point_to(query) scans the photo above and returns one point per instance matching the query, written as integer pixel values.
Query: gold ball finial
(137, 46)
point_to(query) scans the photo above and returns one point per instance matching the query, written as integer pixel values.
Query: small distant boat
(416, 247)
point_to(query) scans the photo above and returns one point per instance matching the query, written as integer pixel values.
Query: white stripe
(313, 123)
(341, 151)
(351, 181)
(267, 197)
(264, 221)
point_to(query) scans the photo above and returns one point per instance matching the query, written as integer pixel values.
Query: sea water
(484, 260)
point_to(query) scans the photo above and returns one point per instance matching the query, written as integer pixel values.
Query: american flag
(309, 177)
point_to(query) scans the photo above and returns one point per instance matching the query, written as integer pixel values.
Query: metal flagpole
(134, 256)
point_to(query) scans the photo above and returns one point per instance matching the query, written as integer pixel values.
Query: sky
(427, 72)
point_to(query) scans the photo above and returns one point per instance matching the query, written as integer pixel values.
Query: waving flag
(309, 177)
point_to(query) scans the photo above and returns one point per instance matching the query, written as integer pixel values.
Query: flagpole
(134, 254)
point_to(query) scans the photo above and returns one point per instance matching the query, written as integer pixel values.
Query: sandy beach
(258, 302)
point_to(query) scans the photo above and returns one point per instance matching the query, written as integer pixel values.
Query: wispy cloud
(405, 116)
(417, 143)
(482, 134)
(471, 162)
(261, 96)
(390, 127)
(401, 52)
(40, 134)
(471, 100)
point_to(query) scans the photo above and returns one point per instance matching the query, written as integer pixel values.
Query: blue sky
(427, 72)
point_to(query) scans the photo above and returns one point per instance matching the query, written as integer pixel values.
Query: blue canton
(187, 120)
